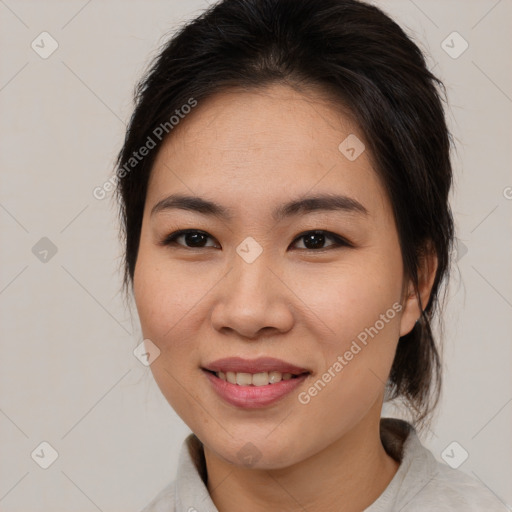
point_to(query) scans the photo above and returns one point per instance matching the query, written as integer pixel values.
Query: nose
(252, 301)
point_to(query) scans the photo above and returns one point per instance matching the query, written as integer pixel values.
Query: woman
(284, 189)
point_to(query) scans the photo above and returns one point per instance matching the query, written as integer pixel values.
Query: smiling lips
(253, 383)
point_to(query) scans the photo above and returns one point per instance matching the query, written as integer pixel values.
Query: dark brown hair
(368, 65)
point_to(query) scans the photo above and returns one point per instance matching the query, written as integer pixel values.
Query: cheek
(165, 311)
(165, 293)
(362, 312)
(357, 313)
(343, 299)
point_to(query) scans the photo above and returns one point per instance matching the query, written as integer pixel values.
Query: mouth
(253, 383)
(254, 372)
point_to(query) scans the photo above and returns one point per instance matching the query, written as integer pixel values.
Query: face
(316, 287)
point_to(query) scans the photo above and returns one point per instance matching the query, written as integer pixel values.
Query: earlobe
(412, 310)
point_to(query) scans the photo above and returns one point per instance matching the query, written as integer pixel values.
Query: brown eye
(314, 240)
(191, 239)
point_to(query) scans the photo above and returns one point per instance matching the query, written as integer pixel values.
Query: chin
(256, 451)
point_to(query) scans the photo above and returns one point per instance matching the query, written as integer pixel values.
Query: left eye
(316, 239)
(313, 240)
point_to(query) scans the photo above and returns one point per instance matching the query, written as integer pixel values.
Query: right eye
(192, 239)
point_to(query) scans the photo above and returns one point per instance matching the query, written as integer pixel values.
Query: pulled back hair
(367, 65)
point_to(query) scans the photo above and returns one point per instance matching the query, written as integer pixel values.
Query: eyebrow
(319, 202)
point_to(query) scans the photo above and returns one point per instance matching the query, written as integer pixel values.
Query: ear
(411, 311)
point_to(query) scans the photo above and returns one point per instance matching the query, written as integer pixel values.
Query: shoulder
(422, 483)
(426, 484)
(451, 489)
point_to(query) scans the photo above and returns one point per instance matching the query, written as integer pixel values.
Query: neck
(347, 476)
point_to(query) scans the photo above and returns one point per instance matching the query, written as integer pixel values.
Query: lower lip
(253, 397)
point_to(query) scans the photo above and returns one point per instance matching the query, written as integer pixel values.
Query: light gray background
(68, 373)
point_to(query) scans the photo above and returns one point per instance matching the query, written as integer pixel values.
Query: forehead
(250, 146)
(274, 119)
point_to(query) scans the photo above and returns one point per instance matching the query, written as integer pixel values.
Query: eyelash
(339, 242)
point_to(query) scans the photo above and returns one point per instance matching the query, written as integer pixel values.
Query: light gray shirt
(421, 484)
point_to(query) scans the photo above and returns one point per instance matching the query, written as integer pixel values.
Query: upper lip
(259, 365)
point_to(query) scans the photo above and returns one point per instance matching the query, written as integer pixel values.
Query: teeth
(254, 379)
(244, 379)
(258, 379)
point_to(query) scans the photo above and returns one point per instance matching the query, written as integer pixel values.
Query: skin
(301, 305)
